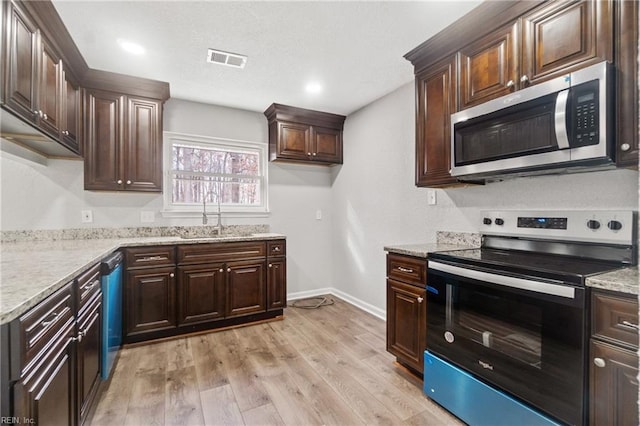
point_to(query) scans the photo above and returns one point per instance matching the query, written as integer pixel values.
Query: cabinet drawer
(88, 285)
(407, 269)
(41, 326)
(220, 252)
(277, 248)
(615, 317)
(143, 257)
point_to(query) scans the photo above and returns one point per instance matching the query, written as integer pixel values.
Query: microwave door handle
(561, 119)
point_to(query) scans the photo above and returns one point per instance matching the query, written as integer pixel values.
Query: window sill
(211, 214)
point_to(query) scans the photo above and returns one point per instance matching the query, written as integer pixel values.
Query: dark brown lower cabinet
(614, 385)
(406, 323)
(150, 300)
(201, 293)
(245, 288)
(44, 395)
(276, 284)
(88, 356)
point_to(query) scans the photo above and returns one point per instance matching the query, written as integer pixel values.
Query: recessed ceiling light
(130, 47)
(313, 88)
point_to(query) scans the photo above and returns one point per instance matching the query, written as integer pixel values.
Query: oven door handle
(519, 283)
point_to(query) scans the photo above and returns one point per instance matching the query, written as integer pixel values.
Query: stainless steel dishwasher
(112, 312)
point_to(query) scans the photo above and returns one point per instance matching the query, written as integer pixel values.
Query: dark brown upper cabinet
(436, 101)
(34, 83)
(527, 42)
(123, 135)
(304, 136)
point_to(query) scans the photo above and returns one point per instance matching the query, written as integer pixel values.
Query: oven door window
(527, 343)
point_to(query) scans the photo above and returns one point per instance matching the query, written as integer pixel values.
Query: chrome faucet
(205, 219)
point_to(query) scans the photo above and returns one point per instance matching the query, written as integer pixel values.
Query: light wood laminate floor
(326, 366)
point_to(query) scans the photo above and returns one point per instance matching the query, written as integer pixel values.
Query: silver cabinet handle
(402, 269)
(228, 269)
(276, 249)
(314, 154)
(152, 258)
(420, 299)
(524, 79)
(308, 153)
(90, 285)
(77, 339)
(36, 113)
(119, 182)
(625, 147)
(128, 182)
(221, 270)
(45, 116)
(40, 113)
(53, 317)
(599, 362)
(65, 132)
(510, 84)
(172, 275)
(271, 265)
(630, 324)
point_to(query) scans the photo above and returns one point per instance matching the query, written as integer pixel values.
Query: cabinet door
(294, 141)
(406, 323)
(561, 37)
(201, 293)
(614, 386)
(436, 101)
(245, 288)
(103, 140)
(326, 145)
(21, 64)
(276, 284)
(626, 36)
(70, 126)
(88, 357)
(50, 90)
(143, 146)
(45, 393)
(489, 66)
(150, 298)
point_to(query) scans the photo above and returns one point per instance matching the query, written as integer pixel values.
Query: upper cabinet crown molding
(131, 85)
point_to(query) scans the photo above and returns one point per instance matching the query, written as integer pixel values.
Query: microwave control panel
(585, 126)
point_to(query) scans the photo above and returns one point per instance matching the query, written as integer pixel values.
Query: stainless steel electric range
(507, 323)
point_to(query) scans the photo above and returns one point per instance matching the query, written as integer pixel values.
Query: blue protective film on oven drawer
(473, 401)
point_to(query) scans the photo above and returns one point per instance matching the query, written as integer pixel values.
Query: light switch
(318, 214)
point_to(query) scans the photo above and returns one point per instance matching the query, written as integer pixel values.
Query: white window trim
(195, 210)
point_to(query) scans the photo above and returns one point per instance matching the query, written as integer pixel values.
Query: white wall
(368, 202)
(51, 196)
(375, 202)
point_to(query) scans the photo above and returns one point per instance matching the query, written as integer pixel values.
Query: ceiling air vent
(226, 58)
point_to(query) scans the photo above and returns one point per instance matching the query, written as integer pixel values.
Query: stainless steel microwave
(561, 125)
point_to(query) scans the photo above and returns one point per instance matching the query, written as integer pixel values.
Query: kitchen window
(204, 172)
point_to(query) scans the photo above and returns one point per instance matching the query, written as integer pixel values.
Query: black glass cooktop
(531, 264)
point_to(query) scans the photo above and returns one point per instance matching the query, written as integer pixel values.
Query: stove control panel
(602, 226)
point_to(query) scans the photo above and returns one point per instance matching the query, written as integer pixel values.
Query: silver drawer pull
(630, 324)
(152, 258)
(420, 299)
(276, 249)
(599, 362)
(402, 269)
(53, 317)
(90, 285)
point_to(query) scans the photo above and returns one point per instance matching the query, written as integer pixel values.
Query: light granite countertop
(32, 270)
(624, 280)
(422, 250)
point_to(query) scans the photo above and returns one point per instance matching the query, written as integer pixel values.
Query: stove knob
(499, 221)
(486, 221)
(593, 224)
(614, 225)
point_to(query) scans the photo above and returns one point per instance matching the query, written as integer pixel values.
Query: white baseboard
(373, 310)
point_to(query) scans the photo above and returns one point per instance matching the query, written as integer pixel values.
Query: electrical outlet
(431, 197)
(147, 216)
(318, 214)
(87, 216)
